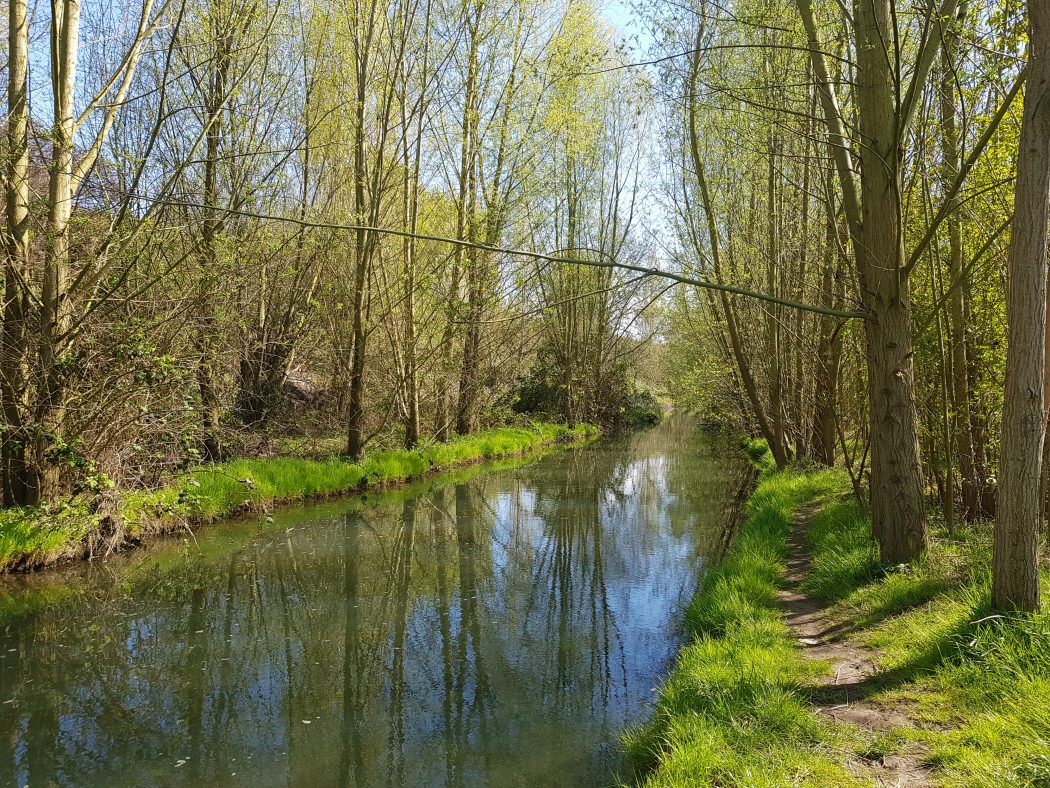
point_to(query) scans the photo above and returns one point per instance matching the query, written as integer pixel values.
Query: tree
(1015, 563)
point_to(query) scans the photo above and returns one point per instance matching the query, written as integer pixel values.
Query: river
(497, 626)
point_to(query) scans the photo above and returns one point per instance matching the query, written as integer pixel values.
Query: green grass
(36, 531)
(978, 683)
(37, 537)
(734, 711)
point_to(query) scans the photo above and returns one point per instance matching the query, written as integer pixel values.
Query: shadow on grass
(950, 646)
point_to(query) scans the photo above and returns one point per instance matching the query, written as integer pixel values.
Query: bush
(615, 406)
(641, 411)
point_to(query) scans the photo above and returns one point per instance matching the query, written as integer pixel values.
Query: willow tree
(584, 195)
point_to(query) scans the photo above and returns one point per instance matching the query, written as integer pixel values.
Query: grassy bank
(32, 538)
(735, 711)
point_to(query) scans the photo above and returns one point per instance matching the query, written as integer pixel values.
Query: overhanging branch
(648, 270)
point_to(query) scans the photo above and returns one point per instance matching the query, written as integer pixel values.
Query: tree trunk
(960, 389)
(13, 465)
(897, 502)
(1015, 561)
(829, 349)
(465, 231)
(355, 442)
(208, 370)
(411, 382)
(49, 402)
(874, 217)
(779, 446)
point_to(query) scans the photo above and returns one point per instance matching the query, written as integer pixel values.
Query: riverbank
(81, 528)
(960, 692)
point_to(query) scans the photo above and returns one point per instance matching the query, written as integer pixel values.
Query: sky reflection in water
(496, 628)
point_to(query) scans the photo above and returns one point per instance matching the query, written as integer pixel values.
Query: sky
(625, 19)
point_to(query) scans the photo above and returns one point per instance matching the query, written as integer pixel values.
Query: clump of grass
(840, 533)
(34, 530)
(757, 451)
(36, 537)
(732, 712)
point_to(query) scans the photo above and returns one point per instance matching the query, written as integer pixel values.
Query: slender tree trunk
(897, 501)
(779, 445)
(208, 331)
(207, 339)
(413, 154)
(55, 307)
(829, 349)
(362, 268)
(1015, 562)
(15, 478)
(411, 383)
(960, 388)
(465, 230)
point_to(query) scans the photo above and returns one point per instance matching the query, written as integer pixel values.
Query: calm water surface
(497, 627)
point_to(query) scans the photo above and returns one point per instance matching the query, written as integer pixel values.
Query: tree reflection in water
(499, 628)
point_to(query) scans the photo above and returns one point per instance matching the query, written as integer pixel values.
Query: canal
(498, 626)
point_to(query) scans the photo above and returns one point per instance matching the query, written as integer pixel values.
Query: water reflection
(498, 630)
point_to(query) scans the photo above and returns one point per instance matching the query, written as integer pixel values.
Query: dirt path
(842, 696)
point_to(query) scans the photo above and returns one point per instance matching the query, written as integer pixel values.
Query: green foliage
(641, 411)
(758, 453)
(616, 406)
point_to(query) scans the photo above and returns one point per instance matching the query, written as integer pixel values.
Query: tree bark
(363, 242)
(1015, 561)
(897, 502)
(779, 446)
(466, 227)
(874, 215)
(962, 422)
(829, 346)
(13, 460)
(55, 307)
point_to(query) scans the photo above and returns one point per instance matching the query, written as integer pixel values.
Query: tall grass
(33, 537)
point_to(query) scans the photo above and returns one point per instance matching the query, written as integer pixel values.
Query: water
(498, 627)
